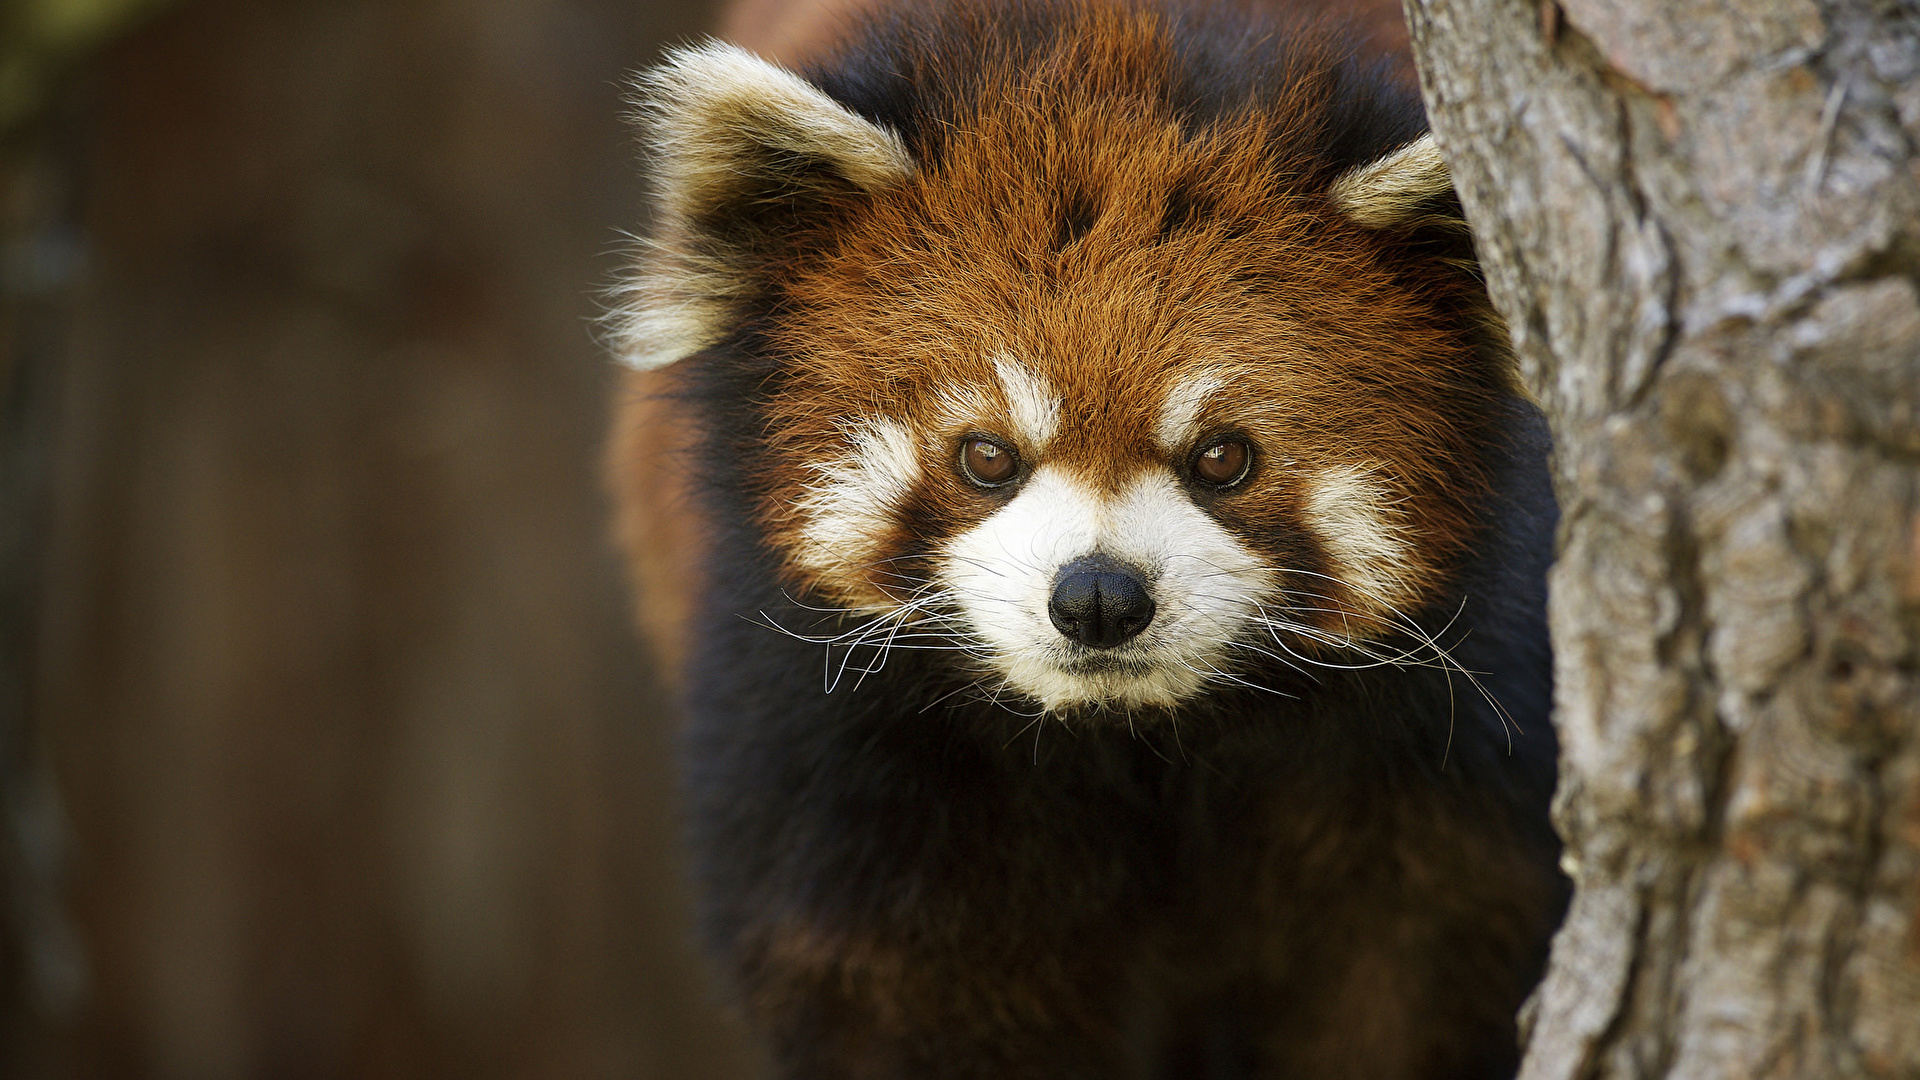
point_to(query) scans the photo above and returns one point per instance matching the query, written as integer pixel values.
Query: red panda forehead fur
(1073, 228)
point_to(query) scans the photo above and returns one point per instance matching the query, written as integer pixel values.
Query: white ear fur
(724, 128)
(1395, 189)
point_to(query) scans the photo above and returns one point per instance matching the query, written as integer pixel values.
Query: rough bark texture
(1703, 224)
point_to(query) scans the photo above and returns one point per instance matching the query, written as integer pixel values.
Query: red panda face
(1111, 408)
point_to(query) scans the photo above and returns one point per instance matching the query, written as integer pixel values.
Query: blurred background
(326, 748)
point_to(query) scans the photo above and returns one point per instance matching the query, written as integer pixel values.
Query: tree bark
(1702, 223)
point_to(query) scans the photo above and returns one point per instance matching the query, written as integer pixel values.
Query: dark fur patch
(1185, 209)
(1078, 213)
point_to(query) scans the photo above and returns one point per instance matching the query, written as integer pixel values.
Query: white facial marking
(851, 509)
(1179, 422)
(1206, 585)
(1034, 407)
(1362, 527)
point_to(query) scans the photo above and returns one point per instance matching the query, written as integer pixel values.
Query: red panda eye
(1224, 463)
(987, 463)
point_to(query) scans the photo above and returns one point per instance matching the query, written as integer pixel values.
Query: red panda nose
(1097, 601)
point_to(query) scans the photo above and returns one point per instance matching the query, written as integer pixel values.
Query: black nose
(1097, 601)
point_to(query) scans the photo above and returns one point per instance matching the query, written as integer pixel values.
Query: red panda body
(1115, 645)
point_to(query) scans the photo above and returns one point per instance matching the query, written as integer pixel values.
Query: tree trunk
(1702, 223)
(325, 667)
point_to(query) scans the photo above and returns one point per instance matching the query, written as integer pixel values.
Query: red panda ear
(1408, 186)
(746, 155)
(1410, 191)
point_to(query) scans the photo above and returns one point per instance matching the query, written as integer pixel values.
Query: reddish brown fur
(987, 272)
(656, 522)
(1272, 287)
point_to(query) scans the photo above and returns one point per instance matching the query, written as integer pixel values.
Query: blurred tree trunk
(40, 967)
(1702, 223)
(329, 656)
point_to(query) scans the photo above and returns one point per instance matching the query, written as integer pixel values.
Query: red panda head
(1116, 383)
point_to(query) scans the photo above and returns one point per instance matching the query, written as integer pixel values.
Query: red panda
(1080, 488)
